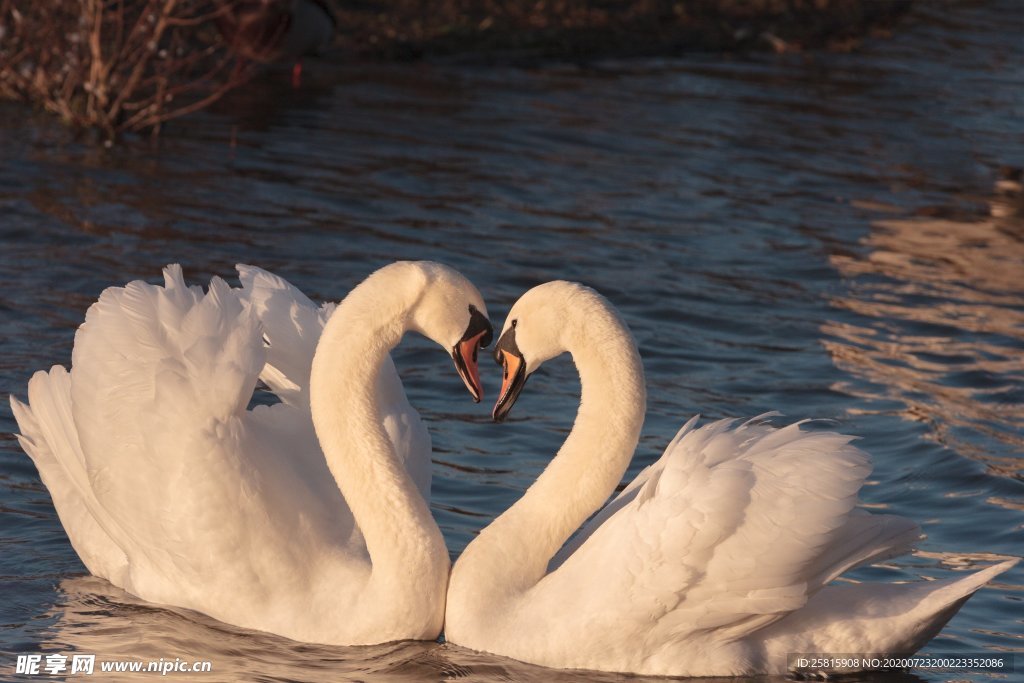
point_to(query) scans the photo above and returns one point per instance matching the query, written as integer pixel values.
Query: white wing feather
(193, 480)
(733, 528)
(49, 438)
(169, 371)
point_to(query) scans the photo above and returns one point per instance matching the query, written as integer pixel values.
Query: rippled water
(817, 234)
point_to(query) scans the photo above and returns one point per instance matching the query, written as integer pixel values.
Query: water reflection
(940, 326)
(94, 617)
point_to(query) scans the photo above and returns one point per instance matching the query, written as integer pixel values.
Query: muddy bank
(524, 31)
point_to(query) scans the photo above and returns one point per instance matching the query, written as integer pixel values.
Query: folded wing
(732, 529)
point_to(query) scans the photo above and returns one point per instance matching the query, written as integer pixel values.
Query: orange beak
(510, 362)
(512, 382)
(465, 356)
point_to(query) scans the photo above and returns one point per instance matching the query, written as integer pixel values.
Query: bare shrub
(116, 65)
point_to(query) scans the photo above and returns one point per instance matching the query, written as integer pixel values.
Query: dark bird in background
(268, 31)
(1009, 193)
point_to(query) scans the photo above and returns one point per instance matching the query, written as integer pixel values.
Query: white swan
(715, 560)
(172, 490)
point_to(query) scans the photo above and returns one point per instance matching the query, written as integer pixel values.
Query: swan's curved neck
(401, 536)
(514, 551)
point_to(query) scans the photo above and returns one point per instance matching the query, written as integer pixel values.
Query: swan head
(537, 329)
(451, 313)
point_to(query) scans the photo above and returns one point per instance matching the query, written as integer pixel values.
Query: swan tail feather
(872, 618)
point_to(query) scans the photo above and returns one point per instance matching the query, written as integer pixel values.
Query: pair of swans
(309, 518)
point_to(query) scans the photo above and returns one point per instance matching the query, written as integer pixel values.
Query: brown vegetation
(115, 65)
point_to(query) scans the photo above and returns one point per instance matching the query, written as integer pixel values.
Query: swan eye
(514, 323)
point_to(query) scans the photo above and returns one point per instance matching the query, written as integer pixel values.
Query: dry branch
(116, 65)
